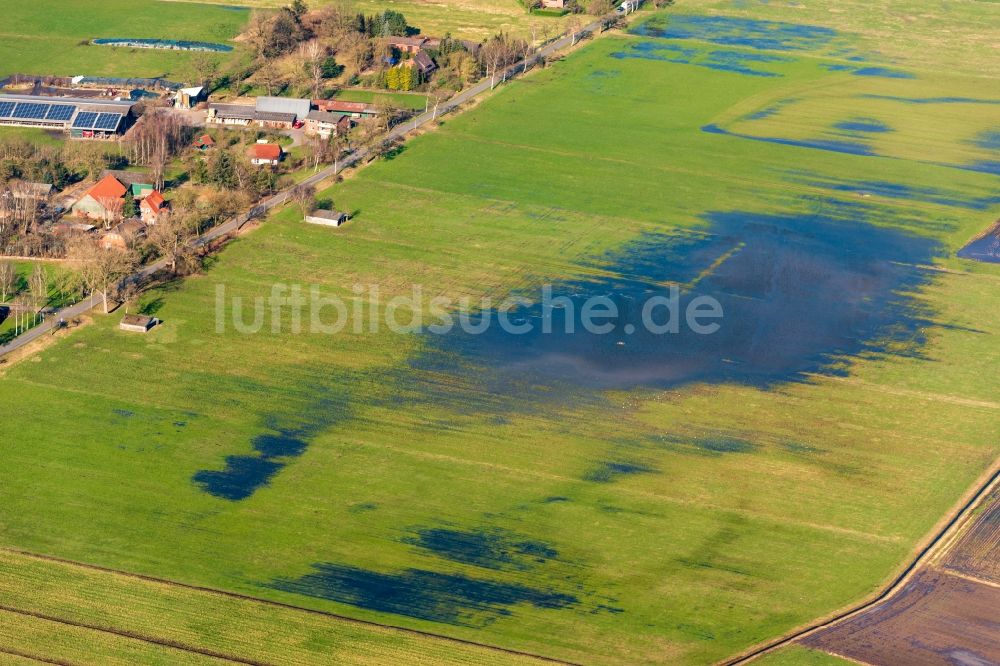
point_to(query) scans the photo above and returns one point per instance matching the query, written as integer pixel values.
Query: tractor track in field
(942, 539)
(248, 598)
(133, 635)
(33, 657)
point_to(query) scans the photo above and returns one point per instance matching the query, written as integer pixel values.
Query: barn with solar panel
(80, 118)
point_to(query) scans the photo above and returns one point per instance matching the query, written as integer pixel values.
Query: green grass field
(443, 501)
(85, 616)
(409, 101)
(796, 655)
(51, 37)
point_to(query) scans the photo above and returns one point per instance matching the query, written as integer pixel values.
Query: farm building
(328, 218)
(242, 115)
(554, 4)
(152, 206)
(123, 235)
(284, 105)
(104, 201)
(408, 44)
(354, 109)
(188, 98)
(269, 112)
(264, 154)
(326, 124)
(275, 119)
(80, 118)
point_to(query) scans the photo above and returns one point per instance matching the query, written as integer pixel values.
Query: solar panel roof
(60, 112)
(107, 121)
(85, 120)
(29, 111)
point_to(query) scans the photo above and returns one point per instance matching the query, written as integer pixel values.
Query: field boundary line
(275, 604)
(954, 522)
(32, 657)
(972, 579)
(853, 660)
(911, 393)
(124, 633)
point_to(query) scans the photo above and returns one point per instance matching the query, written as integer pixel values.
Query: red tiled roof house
(152, 207)
(264, 154)
(104, 201)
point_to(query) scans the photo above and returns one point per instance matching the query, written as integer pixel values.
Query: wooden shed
(329, 218)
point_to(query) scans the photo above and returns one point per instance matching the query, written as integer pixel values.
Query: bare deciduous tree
(154, 140)
(171, 238)
(96, 269)
(38, 284)
(304, 197)
(8, 280)
(313, 53)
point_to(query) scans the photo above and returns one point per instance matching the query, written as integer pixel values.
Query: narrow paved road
(263, 207)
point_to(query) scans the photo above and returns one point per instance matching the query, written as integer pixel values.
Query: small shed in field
(328, 218)
(135, 323)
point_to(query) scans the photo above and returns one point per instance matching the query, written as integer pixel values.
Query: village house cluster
(106, 204)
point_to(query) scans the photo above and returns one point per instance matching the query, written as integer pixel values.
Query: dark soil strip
(40, 660)
(981, 493)
(276, 604)
(162, 642)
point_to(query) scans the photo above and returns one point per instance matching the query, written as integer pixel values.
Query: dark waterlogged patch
(985, 248)
(866, 125)
(426, 595)
(889, 190)
(982, 166)
(242, 476)
(609, 471)
(731, 31)
(832, 145)
(742, 63)
(800, 293)
(710, 444)
(880, 72)
(931, 100)
(287, 437)
(772, 110)
(555, 499)
(487, 548)
(883, 72)
(990, 140)
(727, 61)
(658, 51)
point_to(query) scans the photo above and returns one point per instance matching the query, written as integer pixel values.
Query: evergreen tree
(200, 174)
(223, 171)
(265, 181)
(131, 208)
(330, 69)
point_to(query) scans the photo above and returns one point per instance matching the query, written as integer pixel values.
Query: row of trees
(155, 140)
(25, 298)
